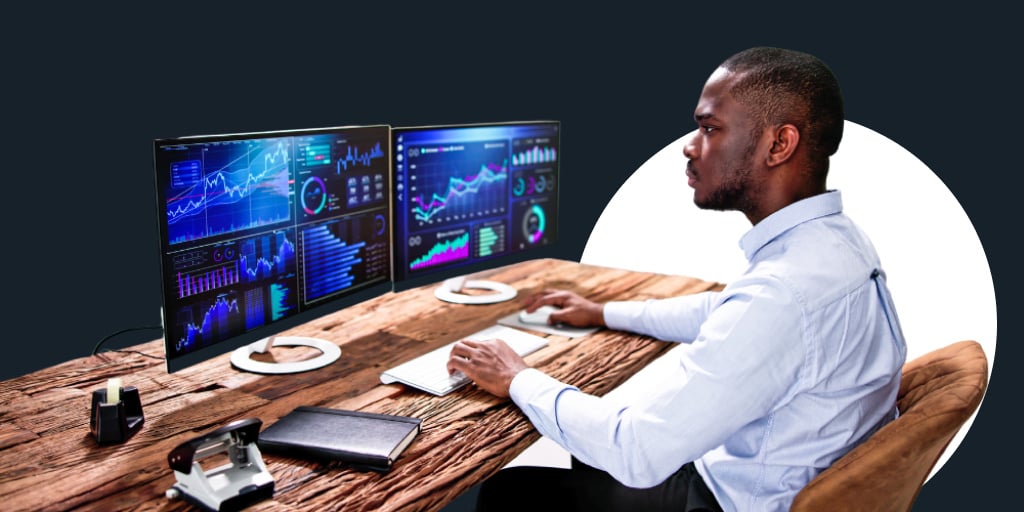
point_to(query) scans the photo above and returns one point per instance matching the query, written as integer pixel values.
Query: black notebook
(360, 439)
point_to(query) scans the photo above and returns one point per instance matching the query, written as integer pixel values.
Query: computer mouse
(539, 316)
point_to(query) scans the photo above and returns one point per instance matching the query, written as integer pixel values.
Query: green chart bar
(490, 240)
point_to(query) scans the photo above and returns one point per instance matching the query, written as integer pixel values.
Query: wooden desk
(49, 460)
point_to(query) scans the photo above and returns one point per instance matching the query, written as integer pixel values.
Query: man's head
(768, 121)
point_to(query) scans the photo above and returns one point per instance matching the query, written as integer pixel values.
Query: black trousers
(582, 487)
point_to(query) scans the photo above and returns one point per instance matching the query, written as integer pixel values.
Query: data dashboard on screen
(472, 196)
(260, 231)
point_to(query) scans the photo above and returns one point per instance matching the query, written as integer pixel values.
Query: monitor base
(450, 292)
(241, 360)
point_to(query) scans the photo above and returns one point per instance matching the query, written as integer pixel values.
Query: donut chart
(314, 195)
(534, 223)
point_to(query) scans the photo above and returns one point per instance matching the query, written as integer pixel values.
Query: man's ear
(785, 139)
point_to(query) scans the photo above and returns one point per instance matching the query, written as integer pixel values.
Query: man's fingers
(460, 354)
(456, 364)
(546, 297)
(556, 317)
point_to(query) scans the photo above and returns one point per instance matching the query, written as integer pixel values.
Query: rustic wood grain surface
(50, 461)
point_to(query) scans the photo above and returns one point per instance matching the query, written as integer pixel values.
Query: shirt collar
(772, 226)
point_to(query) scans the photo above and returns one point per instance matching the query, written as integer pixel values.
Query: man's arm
(742, 362)
(677, 319)
(672, 319)
(492, 365)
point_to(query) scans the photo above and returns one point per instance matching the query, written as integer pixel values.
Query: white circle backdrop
(936, 266)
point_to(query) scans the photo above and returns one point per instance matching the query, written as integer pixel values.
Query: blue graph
(255, 314)
(342, 254)
(477, 194)
(457, 182)
(329, 258)
(267, 256)
(282, 301)
(268, 305)
(353, 156)
(217, 320)
(224, 188)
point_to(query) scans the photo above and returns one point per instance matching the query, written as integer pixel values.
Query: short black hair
(786, 86)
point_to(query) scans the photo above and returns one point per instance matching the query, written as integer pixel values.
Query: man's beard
(738, 189)
(731, 195)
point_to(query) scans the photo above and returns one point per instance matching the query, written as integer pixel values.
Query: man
(776, 376)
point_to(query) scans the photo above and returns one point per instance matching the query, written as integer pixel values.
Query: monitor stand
(451, 291)
(241, 359)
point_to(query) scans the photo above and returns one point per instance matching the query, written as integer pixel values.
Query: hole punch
(242, 481)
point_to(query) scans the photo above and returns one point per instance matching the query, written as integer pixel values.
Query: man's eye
(707, 129)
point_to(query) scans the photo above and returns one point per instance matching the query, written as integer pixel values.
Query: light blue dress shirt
(778, 375)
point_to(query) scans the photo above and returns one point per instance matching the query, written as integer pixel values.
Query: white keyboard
(429, 372)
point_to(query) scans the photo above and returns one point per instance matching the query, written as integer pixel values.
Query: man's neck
(779, 198)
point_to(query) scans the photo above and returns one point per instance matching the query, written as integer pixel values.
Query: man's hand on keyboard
(491, 364)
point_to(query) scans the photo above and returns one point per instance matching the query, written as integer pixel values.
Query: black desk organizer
(115, 423)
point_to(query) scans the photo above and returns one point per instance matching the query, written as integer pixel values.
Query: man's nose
(690, 149)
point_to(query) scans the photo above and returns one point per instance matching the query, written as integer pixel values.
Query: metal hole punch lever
(242, 481)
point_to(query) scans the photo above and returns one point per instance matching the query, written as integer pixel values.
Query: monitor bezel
(440, 275)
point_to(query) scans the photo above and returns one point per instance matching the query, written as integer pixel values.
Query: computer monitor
(471, 197)
(260, 232)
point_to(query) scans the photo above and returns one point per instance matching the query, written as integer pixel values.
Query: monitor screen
(263, 231)
(472, 197)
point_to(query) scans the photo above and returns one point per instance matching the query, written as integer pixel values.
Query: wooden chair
(938, 393)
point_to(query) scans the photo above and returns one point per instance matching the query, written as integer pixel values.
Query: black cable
(126, 351)
(96, 349)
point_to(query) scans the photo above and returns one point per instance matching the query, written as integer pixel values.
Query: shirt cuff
(536, 394)
(529, 383)
(620, 316)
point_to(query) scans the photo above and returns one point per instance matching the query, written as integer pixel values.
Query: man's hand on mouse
(490, 364)
(573, 309)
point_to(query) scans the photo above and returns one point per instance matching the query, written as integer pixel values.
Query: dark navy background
(89, 87)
